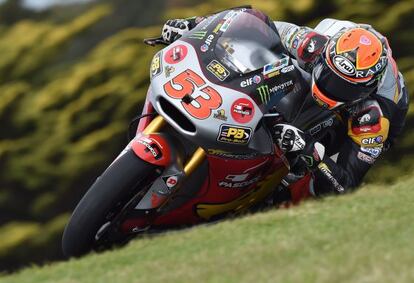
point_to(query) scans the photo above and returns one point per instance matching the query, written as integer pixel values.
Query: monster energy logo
(198, 35)
(264, 93)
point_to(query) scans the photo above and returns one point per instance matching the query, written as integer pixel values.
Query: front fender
(158, 149)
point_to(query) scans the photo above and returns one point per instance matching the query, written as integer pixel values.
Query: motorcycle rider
(354, 75)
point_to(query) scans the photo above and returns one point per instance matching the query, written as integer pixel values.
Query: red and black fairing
(226, 184)
(220, 192)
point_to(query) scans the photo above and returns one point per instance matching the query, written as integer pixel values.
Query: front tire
(113, 186)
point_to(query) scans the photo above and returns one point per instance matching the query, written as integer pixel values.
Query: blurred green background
(72, 77)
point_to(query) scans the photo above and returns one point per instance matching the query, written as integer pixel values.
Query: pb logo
(234, 135)
(156, 65)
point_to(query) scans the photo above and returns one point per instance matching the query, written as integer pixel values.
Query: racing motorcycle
(202, 150)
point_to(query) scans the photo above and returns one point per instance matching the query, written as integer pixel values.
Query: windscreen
(248, 43)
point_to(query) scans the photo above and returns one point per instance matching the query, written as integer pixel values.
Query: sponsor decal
(375, 140)
(365, 40)
(281, 86)
(203, 25)
(374, 152)
(225, 26)
(312, 46)
(151, 147)
(365, 158)
(176, 54)
(204, 48)
(237, 181)
(242, 180)
(367, 121)
(242, 110)
(297, 37)
(207, 43)
(198, 34)
(218, 70)
(363, 129)
(156, 65)
(234, 134)
(374, 70)
(364, 119)
(220, 115)
(344, 65)
(209, 39)
(273, 69)
(218, 27)
(230, 155)
(372, 135)
(325, 170)
(295, 43)
(250, 81)
(199, 20)
(257, 79)
(288, 69)
(228, 20)
(320, 126)
(265, 92)
(168, 70)
(170, 181)
(290, 34)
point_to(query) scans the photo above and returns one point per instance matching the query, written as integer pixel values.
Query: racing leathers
(368, 127)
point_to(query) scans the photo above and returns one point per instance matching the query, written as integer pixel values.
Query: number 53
(186, 83)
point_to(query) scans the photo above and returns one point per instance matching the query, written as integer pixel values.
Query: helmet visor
(322, 99)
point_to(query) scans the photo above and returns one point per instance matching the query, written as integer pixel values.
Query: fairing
(213, 104)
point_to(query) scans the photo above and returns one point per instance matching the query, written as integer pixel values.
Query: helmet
(349, 68)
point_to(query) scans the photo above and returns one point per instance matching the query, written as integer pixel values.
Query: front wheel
(124, 178)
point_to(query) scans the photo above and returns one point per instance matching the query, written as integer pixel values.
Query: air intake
(174, 114)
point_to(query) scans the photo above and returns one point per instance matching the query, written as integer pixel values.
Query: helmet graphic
(350, 67)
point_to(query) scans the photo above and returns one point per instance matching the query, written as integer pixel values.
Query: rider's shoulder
(367, 125)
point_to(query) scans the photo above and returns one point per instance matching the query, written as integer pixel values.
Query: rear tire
(113, 186)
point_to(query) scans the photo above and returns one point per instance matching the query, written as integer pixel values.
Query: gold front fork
(195, 160)
(155, 125)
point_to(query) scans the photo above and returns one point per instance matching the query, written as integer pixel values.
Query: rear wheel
(122, 180)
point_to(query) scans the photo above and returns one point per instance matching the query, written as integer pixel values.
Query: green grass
(367, 236)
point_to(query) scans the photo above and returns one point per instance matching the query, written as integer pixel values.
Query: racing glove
(174, 29)
(299, 147)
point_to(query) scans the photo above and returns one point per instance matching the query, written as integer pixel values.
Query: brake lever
(155, 41)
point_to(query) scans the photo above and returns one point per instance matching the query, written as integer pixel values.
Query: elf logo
(248, 82)
(375, 140)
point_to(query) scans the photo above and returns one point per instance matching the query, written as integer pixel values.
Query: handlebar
(155, 41)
